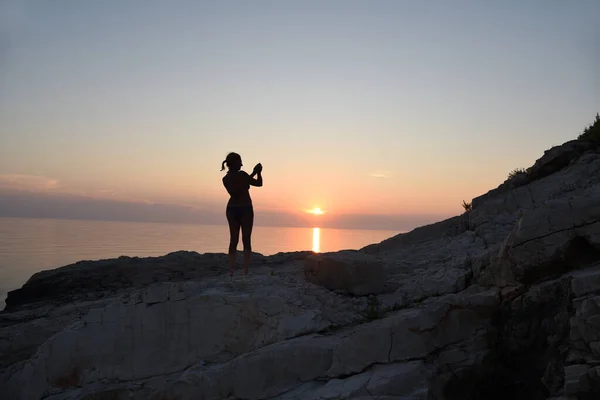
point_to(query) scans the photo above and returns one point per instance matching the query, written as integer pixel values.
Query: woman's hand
(256, 171)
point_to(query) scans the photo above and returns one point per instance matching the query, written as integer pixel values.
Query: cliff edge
(500, 302)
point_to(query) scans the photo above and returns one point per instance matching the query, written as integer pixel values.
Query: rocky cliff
(500, 302)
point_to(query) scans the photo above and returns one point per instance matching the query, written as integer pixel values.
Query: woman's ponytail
(233, 160)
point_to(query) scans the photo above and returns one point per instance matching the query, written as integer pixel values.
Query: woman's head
(233, 162)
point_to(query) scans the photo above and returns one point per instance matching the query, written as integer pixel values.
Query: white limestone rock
(347, 271)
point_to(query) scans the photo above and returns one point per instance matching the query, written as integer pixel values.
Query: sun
(316, 211)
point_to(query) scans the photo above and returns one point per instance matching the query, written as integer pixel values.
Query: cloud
(27, 182)
(380, 174)
(30, 204)
(51, 186)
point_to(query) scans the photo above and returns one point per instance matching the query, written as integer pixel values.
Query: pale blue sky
(143, 99)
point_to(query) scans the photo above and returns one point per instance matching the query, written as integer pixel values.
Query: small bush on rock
(467, 206)
(516, 172)
(592, 132)
(373, 309)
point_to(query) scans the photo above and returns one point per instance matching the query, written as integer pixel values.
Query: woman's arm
(258, 181)
(257, 171)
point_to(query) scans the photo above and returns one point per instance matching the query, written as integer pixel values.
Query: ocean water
(28, 245)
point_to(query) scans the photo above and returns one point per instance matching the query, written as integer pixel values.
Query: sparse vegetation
(516, 172)
(592, 132)
(373, 309)
(467, 206)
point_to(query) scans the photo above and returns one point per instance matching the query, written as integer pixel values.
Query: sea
(30, 245)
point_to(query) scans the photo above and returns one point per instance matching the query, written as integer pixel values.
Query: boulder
(351, 272)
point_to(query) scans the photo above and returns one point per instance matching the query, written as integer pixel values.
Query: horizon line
(398, 231)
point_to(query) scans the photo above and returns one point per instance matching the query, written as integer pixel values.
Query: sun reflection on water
(316, 245)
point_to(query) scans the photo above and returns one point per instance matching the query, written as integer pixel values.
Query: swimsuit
(237, 213)
(240, 204)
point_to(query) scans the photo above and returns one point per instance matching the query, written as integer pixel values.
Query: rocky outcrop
(500, 302)
(92, 280)
(257, 347)
(553, 160)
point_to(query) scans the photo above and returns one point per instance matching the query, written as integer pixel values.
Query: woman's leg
(234, 237)
(247, 223)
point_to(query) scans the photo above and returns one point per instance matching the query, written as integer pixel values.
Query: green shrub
(373, 308)
(467, 206)
(592, 132)
(515, 172)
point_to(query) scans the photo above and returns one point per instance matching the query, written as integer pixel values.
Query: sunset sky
(384, 114)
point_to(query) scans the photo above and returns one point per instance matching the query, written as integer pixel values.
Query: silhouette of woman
(240, 213)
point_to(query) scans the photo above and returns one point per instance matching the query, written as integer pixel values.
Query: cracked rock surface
(500, 302)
